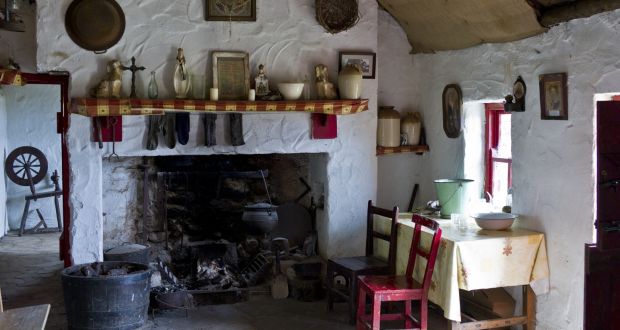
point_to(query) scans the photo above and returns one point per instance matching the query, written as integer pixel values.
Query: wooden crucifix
(133, 68)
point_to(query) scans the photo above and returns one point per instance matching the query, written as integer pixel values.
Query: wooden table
(473, 259)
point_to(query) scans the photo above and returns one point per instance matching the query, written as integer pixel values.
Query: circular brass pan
(95, 25)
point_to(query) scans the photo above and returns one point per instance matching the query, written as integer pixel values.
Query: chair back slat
(422, 253)
(371, 234)
(382, 236)
(416, 250)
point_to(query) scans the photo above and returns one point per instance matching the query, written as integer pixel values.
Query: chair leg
(58, 213)
(408, 320)
(361, 309)
(22, 226)
(376, 312)
(352, 299)
(423, 313)
(329, 278)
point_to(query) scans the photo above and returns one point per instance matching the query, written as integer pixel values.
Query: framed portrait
(230, 10)
(366, 61)
(553, 96)
(452, 101)
(231, 75)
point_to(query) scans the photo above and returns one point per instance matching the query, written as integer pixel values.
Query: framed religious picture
(365, 60)
(230, 10)
(553, 96)
(231, 75)
(452, 100)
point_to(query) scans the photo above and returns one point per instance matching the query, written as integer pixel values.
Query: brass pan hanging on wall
(95, 25)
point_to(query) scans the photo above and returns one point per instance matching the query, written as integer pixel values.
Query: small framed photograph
(231, 75)
(230, 10)
(553, 96)
(366, 60)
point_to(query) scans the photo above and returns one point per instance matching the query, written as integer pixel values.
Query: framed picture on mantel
(231, 75)
(230, 10)
(553, 96)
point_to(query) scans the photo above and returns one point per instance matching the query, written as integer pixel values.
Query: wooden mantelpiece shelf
(402, 149)
(92, 107)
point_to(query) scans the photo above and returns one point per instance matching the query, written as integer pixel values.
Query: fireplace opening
(210, 219)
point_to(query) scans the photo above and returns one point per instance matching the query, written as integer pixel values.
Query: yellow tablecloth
(472, 259)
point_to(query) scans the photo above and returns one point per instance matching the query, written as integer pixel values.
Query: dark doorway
(602, 259)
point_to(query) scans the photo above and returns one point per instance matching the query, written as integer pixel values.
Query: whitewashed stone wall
(122, 196)
(552, 160)
(399, 172)
(3, 148)
(31, 121)
(286, 38)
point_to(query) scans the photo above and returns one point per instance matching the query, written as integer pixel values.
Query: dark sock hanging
(182, 127)
(152, 135)
(169, 129)
(236, 129)
(208, 121)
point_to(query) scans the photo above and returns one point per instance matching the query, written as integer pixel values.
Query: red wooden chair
(351, 267)
(401, 288)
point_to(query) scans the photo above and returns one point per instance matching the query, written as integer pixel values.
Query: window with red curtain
(498, 160)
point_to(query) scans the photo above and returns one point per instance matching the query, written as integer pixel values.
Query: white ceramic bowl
(494, 221)
(291, 91)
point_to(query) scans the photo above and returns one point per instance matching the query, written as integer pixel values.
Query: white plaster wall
(474, 156)
(31, 120)
(21, 46)
(3, 150)
(398, 172)
(552, 160)
(122, 186)
(286, 38)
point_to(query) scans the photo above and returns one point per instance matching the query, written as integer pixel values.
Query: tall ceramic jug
(350, 82)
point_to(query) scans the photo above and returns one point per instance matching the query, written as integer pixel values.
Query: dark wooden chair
(350, 268)
(401, 288)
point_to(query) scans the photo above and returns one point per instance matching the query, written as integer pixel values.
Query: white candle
(214, 93)
(252, 95)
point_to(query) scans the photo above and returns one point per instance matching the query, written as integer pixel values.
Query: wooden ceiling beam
(565, 12)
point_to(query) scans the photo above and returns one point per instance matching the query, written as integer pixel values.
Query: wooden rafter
(567, 11)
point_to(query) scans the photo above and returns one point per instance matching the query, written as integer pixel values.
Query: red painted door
(602, 260)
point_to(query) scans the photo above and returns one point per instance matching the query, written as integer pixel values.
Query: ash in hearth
(215, 274)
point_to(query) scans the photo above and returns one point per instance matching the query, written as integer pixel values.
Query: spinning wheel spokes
(26, 166)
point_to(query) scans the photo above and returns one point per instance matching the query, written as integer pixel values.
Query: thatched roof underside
(435, 25)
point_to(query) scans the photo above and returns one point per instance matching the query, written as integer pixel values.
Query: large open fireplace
(107, 205)
(209, 218)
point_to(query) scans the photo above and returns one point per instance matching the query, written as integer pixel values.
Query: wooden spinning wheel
(26, 166)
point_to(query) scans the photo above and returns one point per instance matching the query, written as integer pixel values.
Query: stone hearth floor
(30, 275)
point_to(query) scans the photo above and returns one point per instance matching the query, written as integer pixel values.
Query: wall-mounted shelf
(402, 149)
(92, 107)
(11, 77)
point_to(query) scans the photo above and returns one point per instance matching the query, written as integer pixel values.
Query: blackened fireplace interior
(189, 210)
